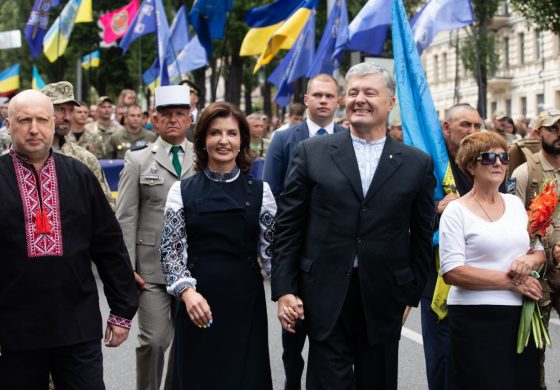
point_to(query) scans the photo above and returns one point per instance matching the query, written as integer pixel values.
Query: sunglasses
(552, 129)
(489, 158)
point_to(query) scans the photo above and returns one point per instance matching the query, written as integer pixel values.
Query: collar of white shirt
(314, 128)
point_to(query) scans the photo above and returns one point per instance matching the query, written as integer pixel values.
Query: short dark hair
(296, 109)
(222, 110)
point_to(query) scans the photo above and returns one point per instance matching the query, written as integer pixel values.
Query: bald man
(55, 222)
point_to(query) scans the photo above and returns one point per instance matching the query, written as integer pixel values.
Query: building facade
(528, 75)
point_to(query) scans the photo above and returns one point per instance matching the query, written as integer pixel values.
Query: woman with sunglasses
(486, 258)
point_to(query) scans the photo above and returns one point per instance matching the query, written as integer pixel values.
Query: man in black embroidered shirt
(55, 221)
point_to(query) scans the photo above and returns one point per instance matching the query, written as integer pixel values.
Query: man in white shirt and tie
(144, 182)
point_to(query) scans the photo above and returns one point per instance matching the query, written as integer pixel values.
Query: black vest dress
(222, 226)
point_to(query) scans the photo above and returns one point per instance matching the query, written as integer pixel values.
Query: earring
(203, 148)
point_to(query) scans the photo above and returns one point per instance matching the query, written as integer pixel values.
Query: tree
(478, 50)
(545, 14)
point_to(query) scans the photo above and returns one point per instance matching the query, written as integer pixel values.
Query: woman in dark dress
(214, 222)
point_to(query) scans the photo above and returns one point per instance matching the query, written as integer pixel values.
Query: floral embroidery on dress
(46, 202)
(270, 225)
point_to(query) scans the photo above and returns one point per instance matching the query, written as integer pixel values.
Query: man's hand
(406, 313)
(520, 268)
(115, 335)
(442, 204)
(556, 252)
(290, 309)
(139, 281)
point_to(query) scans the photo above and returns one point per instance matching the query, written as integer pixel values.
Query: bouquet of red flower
(541, 211)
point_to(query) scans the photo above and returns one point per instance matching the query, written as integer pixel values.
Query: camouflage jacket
(73, 150)
(105, 132)
(122, 141)
(90, 141)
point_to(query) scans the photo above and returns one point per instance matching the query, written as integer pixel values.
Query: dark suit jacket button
(359, 240)
(247, 204)
(250, 182)
(364, 209)
(349, 273)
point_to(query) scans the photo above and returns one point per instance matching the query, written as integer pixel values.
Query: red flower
(541, 210)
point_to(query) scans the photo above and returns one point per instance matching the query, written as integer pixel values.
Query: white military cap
(173, 96)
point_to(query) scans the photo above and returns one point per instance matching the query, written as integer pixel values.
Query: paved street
(120, 369)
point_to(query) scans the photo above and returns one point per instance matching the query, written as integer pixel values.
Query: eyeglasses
(489, 158)
(552, 129)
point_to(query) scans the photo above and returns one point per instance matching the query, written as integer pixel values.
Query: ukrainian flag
(91, 60)
(264, 21)
(56, 39)
(285, 36)
(9, 80)
(37, 81)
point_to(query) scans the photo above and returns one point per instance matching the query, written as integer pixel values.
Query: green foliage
(545, 14)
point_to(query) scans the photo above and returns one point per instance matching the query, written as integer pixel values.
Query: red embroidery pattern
(39, 244)
(119, 321)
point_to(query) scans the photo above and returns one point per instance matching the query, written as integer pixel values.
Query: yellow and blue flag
(56, 39)
(85, 13)
(37, 81)
(9, 80)
(91, 60)
(264, 21)
(421, 127)
(208, 18)
(295, 64)
(333, 41)
(36, 26)
(286, 35)
(151, 76)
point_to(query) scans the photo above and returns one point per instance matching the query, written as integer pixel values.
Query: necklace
(482, 208)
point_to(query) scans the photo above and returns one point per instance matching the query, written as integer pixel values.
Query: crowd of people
(342, 221)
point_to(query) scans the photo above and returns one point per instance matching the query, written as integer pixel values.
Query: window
(508, 107)
(506, 52)
(539, 45)
(436, 69)
(444, 67)
(521, 48)
(523, 104)
(493, 108)
(540, 102)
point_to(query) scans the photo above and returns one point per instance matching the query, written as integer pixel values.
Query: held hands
(530, 288)
(290, 309)
(519, 269)
(197, 308)
(115, 335)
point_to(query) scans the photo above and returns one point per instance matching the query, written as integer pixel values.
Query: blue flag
(178, 34)
(149, 19)
(295, 64)
(36, 26)
(368, 31)
(334, 39)
(208, 18)
(439, 15)
(192, 57)
(421, 126)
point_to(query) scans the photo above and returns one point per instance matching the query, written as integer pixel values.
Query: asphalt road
(120, 363)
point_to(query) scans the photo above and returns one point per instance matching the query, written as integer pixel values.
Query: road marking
(555, 321)
(417, 337)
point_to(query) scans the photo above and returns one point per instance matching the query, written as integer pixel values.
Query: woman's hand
(520, 268)
(531, 288)
(197, 308)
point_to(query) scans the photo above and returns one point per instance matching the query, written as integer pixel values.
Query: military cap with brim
(60, 93)
(173, 96)
(194, 88)
(103, 99)
(547, 118)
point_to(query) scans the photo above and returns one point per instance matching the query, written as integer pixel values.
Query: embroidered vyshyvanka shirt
(55, 221)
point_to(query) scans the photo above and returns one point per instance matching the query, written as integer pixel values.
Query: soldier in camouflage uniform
(105, 126)
(133, 136)
(87, 139)
(62, 97)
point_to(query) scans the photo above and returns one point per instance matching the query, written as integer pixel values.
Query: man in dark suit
(354, 240)
(321, 99)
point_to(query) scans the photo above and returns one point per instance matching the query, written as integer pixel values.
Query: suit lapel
(343, 155)
(390, 161)
(162, 158)
(301, 133)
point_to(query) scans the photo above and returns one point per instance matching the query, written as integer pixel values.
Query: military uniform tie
(175, 160)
